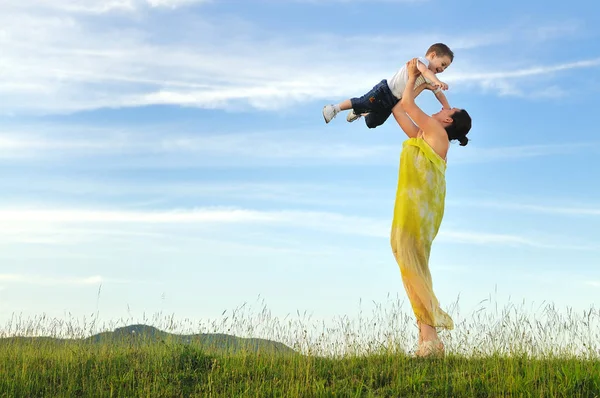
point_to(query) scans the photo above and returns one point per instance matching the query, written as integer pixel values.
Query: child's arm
(428, 74)
(443, 100)
(419, 89)
(438, 94)
(420, 118)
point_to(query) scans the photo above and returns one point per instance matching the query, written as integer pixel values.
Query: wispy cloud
(336, 223)
(66, 63)
(96, 6)
(32, 279)
(495, 154)
(567, 210)
(193, 148)
(533, 71)
(175, 3)
(483, 238)
(197, 147)
(515, 82)
(593, 283)
(315, 220)
(323, 2)
(54, 233)
(342, 194)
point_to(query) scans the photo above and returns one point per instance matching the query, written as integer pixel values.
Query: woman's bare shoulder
(437, 138)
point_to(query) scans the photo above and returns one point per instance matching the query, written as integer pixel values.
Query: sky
(170, 156)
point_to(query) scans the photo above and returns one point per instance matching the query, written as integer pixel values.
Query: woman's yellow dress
(418, 213)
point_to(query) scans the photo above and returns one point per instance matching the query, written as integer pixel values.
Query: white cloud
(43, 233)
(322, 2)
(69, 6)
(62, 62)
(50, 280)
(39, 221)
(175, 3)
(20, 218)
(183, 149)
(518, 82)
(160, 192)
(14, 146)
(94, 6)
(92, 216)
(568, 209)
(527, 72)
(483, 238)
(275, 147)
(495, 154)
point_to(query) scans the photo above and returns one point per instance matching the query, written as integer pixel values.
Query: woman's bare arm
(408, 98)
(404, 121)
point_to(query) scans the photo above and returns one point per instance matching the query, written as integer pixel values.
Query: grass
(511, 352)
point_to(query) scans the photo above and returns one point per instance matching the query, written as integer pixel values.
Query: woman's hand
(411, 67)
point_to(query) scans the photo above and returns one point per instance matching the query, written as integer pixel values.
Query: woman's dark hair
(461, 124)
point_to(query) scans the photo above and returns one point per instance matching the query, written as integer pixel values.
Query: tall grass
(516, 350)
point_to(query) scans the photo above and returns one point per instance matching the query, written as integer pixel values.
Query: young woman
(419, 206)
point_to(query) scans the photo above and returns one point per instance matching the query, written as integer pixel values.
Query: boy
(378, 103)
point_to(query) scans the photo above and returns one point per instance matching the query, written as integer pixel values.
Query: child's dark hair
(440, 49)
(461, 124)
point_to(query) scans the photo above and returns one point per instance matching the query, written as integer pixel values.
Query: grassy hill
(143, 334)
(501, 359)
(31, 368)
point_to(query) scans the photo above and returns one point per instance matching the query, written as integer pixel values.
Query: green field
(510, 355)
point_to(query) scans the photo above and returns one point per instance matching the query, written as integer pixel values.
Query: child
(378, 103)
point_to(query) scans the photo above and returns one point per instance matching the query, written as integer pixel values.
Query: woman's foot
(429, 342)
(430, 348)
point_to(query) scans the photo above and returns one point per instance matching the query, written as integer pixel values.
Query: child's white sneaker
(352, 116)
(329, 113)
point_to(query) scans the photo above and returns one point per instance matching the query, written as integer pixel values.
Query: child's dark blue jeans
(378, 103)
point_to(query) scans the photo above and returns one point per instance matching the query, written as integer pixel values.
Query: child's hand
(441, 85)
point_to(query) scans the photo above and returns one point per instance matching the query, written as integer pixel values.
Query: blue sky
(174, 153)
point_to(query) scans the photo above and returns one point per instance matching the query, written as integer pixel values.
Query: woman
(419, 206)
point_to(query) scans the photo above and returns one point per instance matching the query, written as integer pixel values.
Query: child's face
(439, 64)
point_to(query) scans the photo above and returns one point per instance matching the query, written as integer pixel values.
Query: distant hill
(137, 334)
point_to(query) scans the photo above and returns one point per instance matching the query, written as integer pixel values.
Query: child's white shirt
(398, 82)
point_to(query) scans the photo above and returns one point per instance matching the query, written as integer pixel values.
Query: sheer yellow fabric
(418, 213)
